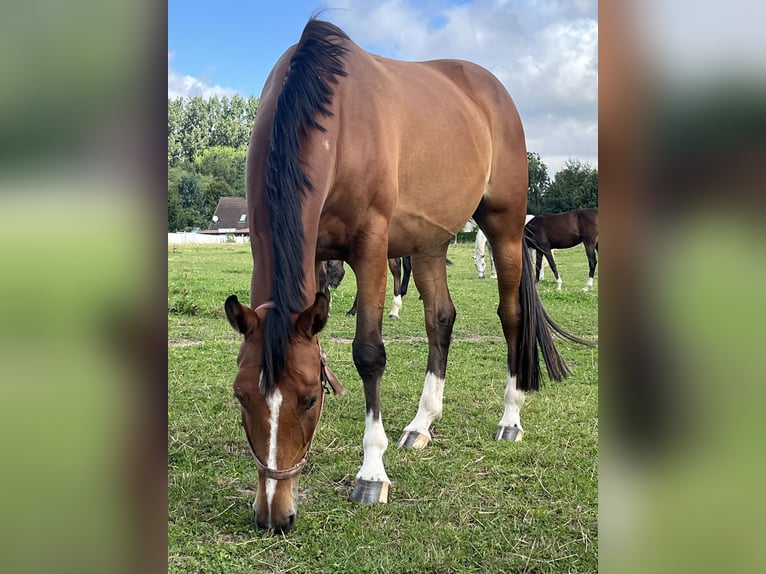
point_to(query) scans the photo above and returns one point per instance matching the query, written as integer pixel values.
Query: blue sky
(544, 51)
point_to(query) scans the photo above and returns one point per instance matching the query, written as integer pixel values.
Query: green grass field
(465, 504)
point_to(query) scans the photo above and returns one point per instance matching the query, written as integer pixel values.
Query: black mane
(306, 93)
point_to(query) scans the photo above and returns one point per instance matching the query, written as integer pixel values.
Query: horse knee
(443, 321)
(445, 318)
(369, 359)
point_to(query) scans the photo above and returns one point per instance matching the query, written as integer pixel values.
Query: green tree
(538, 183)
(192, 199)
(214, 189)
(175, 118)
(195, 128)
(196, 124)
(573, 187)
(177, 218)
(225, 164)
(176, 215)
(586, 195)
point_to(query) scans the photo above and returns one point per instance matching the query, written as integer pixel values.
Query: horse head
(279, 416)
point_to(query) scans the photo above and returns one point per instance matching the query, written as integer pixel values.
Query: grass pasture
(464, 504)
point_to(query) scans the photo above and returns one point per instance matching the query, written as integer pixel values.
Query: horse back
(417, 145)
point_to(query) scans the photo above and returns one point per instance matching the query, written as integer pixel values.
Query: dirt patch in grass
(183, 342)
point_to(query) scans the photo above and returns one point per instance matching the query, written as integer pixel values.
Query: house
(230, 217)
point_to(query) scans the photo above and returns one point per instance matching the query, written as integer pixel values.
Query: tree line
(207, 150)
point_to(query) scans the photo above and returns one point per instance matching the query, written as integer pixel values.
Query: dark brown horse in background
(361, 158)
(401, 269)
(562, 231)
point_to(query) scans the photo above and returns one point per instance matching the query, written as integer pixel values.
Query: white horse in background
(482, 246)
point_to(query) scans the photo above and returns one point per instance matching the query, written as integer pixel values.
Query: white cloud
(544, 52)
(185, 86)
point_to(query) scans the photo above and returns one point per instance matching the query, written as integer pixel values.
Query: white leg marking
(375, 444)
(396, 306)
(274, 402)
(589, 284)
(430, 407)
(558, 283)
(514, 400)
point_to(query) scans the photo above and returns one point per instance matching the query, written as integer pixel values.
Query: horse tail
(535, 331)
(407, 267)
(307, 92)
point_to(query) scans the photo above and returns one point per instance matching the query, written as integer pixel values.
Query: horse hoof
(392, 316)
(413, 439)
(510, 434)
(369, 492)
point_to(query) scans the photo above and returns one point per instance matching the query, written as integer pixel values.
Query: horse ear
(240, 316)
(313, 319)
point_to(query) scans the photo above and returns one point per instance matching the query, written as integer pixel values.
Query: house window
(242, 217)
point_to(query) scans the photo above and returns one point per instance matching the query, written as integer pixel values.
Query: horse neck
(263, 267)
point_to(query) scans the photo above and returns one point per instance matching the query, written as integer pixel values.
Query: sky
(544, 51)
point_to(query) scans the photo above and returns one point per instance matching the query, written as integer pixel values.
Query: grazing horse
(401, 268)
(361, 158)
(562, 231)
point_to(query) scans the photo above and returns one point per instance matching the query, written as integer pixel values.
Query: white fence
(204, 238)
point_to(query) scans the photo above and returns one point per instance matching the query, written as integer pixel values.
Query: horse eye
(310, 402)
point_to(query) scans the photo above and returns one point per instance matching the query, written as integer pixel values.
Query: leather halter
(328, 378)
(275, 474)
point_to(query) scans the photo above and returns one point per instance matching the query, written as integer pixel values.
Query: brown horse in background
(361, 158)
(562, 231)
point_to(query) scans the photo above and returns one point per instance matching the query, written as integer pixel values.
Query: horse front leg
(430, 275)
(372, 482)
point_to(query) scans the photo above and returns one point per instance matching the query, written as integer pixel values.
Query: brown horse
(562, 231)
(361, 158)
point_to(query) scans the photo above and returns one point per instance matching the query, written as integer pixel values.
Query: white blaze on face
(274, 402)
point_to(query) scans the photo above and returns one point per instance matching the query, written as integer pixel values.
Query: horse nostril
(287, 526)
(258, 522)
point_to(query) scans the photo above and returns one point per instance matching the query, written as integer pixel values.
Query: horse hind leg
(552, 263)
(430, 274)
(590, 251)
(508, 260)
(395, 266)
(538, 264)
